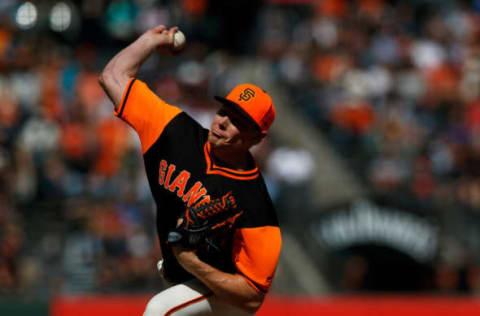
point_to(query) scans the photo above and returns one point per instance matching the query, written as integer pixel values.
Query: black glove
(205, 221)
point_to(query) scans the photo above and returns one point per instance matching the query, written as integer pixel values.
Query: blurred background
(373, 162)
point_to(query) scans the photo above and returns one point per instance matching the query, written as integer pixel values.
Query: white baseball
(178, 40)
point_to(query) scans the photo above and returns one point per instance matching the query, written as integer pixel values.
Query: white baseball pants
(191, 298)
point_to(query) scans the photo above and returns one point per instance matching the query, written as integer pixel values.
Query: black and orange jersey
(181, 172)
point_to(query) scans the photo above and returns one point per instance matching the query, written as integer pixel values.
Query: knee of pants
(157, 306)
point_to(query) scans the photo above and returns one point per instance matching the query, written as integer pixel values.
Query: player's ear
(259, 136)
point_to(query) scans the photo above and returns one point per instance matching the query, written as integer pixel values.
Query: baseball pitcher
(217, 227)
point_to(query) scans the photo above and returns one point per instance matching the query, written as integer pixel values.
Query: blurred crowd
(395, 86)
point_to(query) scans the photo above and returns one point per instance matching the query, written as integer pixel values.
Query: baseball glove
(202, 223)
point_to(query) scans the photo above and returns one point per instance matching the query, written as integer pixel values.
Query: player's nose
(223, 122)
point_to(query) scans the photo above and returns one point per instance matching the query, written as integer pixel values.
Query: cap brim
(239, 109)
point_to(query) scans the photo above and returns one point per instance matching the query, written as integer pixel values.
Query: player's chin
(216, 142)
(222, 144)
(213, 140)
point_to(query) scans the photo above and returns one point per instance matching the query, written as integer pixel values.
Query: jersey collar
(212, 168)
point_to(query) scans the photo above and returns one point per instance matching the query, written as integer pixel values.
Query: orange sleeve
(145, 112)
(255, 254)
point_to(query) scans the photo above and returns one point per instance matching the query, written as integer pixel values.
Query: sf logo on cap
(246, 95)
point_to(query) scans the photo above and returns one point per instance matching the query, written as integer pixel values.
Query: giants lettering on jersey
(195, 192)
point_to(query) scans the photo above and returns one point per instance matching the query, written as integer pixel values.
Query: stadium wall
(23, 307)
(379, 305)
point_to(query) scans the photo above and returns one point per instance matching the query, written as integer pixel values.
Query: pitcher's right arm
(127, 62)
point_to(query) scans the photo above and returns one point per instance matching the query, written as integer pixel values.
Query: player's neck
(232, 160)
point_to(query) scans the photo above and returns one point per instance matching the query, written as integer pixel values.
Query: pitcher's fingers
(171, 33)
(159, 28)
(179, 221)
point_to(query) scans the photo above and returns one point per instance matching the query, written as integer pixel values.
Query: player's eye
(239, 122)
(234, 118)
